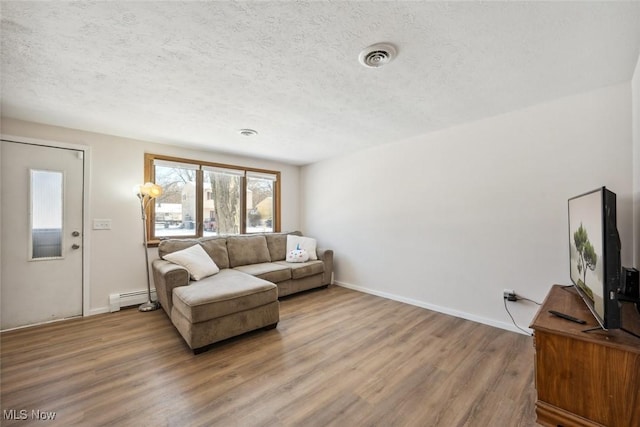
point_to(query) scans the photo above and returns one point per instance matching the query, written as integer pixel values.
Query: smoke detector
(377, 55)
(247, 132)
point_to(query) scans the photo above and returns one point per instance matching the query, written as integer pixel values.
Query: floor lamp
(147, 192)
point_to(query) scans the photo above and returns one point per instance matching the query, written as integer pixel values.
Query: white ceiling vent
(377, 55)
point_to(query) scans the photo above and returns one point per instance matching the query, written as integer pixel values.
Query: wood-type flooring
(337, 358)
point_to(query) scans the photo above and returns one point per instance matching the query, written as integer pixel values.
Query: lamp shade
(150, 190)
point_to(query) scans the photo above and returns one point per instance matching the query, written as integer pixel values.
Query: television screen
(594, 249)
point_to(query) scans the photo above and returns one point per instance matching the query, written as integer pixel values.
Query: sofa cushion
(304, 269)
(195, 260)
(277, 244)
(172, 245)
(229, 291)
(216, 247)
(268, 271)
(244, 250)
(306, 243)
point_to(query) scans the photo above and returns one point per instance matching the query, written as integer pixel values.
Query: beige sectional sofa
(243, 295)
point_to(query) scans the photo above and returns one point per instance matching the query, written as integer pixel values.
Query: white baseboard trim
(433, 307)
(39, 324)
(100, 310)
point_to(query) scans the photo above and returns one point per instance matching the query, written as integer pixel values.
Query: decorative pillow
(298, 255)
(196, 260)
(306, 243)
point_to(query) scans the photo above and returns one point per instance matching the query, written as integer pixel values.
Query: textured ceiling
(194, 73)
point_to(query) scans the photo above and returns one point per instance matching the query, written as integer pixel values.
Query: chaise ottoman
(224, 305)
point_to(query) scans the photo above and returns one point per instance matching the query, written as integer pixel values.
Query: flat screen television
(594, 251)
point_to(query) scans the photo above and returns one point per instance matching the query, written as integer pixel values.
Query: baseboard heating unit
(128, 299)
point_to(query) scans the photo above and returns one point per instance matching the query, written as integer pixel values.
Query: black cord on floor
(513, 320)
(518, 298)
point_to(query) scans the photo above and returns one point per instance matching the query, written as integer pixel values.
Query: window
(175, 210)
(207, 199)
(46, 211)
(260, 201)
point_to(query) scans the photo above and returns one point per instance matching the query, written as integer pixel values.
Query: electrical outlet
(102, 224)
(509, 294)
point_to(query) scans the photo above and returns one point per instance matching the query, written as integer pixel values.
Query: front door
(42, 242)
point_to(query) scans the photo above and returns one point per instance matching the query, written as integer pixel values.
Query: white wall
(449, 219)
(635, 89)
(116, 257)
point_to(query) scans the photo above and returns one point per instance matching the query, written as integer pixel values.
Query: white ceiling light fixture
(247, 132)
(377, 55)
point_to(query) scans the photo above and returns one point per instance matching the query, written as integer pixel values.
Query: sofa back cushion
(277, 243)
(173, 245)
(216, 247)
(245, 250)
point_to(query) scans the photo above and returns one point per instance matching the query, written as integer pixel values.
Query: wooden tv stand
(585, 378)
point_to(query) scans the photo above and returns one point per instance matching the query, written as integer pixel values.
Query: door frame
(86, 194)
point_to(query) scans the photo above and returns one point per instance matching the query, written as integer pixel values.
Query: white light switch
(102, 224)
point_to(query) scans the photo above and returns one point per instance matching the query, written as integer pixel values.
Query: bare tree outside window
(225, 189)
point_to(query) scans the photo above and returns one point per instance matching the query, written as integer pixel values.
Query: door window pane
(259, 204)
(175, 209)
(222, 212)
(46, 214)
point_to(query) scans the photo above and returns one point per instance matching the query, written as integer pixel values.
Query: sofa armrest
(166, 276)
(326, 256)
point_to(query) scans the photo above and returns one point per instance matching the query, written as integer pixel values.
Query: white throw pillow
(196, 260)
(306, 243)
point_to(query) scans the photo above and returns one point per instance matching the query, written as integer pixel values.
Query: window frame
(149, 176)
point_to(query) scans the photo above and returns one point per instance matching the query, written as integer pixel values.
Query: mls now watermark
(24, 414)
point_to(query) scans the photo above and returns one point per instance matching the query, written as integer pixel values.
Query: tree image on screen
(588, 258)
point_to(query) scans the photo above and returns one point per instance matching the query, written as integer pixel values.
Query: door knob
(75, 246)
(75, 233)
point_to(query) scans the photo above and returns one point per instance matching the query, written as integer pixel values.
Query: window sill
(153, 243)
